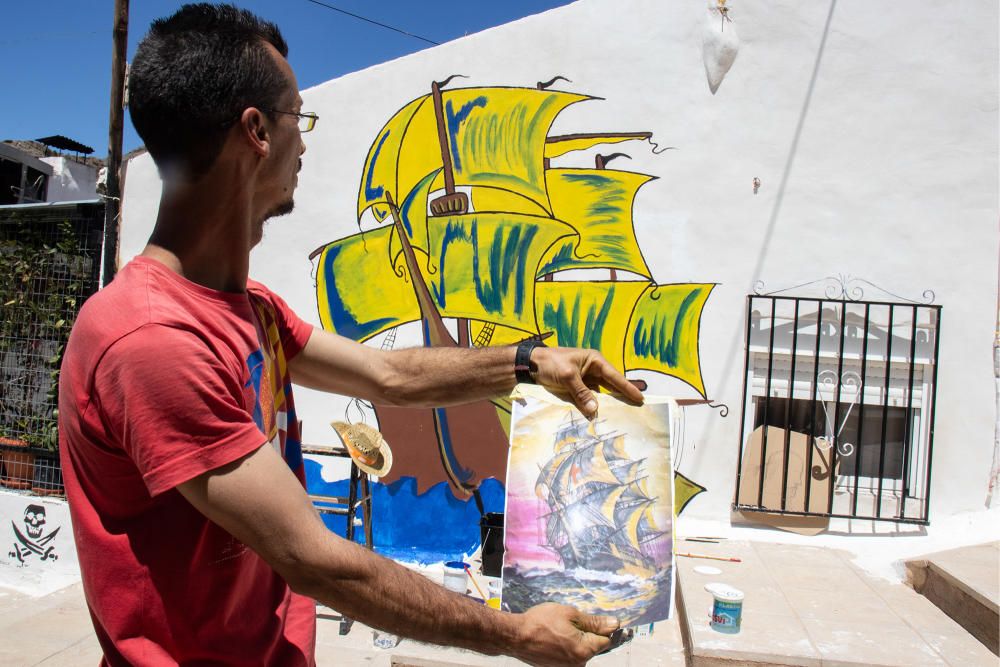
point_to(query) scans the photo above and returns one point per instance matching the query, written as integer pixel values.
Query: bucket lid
(725, 592)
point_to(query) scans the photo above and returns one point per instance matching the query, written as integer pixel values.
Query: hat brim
(383, 459)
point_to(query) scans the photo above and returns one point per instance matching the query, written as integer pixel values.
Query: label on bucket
(726, 616)
(727, 608)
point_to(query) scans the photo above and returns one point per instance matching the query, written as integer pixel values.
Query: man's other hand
(573, 374)
(554, 634)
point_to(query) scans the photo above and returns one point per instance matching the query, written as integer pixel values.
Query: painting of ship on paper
(589, 508)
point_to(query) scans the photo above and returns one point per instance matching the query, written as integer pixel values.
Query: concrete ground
(804, 606)
(55, 631)
(663, 648)
(813, 606)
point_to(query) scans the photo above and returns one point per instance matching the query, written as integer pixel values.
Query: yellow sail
(387, 299)
(651, 523)
(628, 472)
(556, 146)
(610, 502)
(663, 332)
(588, 314)
(413, 216)
(378, 179)
(495, 137)
(616, 447)
(684, 491)
(597, 203)
(547, 476)
(595, 467)
(486, 265)
(632, 523)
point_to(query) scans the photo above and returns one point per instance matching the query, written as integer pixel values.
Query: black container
(491, 535)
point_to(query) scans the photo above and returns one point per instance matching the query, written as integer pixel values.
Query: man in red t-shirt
(180, 448)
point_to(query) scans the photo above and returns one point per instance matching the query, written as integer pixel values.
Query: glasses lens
(307, 122)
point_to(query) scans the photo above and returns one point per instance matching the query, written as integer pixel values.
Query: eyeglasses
(307, 121)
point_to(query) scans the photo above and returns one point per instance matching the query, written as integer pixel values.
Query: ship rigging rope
(373, 22)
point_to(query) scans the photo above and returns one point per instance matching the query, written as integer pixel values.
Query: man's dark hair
(193, 75)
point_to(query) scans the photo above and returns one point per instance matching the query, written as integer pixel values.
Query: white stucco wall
(71, 180)
(873, 130)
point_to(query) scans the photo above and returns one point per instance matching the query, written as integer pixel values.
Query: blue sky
(56, 56)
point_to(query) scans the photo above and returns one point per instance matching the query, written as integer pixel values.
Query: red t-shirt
(163, 380)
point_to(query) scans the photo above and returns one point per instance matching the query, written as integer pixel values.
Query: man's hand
(572, 374)
(555, 634)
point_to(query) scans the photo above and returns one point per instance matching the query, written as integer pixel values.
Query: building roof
(65, 144)
(39, 150)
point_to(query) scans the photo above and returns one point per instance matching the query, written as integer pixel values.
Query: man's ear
(253, 130)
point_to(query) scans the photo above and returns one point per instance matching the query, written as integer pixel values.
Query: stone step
(965, 584)
(812, 606)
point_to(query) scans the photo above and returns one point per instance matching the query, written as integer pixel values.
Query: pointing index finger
(619, 385)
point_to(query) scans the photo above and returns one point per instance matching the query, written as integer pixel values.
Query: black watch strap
(523, 368)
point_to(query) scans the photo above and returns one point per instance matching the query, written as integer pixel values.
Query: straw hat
(367, 448)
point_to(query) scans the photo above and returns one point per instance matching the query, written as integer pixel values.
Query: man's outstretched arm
(434, 377)
(258, 501)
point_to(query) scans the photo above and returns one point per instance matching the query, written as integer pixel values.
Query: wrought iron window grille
(838, 402)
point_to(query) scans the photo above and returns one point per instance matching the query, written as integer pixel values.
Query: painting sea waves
(589, 508)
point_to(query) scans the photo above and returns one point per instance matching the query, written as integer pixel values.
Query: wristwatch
(523, 368)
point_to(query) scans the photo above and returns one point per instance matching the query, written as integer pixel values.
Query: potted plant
(42, 278)
(47, 477)
(18, 465)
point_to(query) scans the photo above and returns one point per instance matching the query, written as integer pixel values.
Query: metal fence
(838, 408)
(49, 264)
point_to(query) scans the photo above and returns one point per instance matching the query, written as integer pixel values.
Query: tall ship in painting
(600, 513)
(486, 229)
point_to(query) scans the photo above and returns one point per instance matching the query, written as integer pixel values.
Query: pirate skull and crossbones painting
(33, 541)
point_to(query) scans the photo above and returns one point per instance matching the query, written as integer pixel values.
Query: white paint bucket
(727, 608)
(455, 577)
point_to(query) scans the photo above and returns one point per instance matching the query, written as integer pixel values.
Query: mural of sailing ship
(590, 510)
(474, 231)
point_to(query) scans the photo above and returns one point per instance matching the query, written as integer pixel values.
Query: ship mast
(451, 202)
(543, 85)
(435, 331)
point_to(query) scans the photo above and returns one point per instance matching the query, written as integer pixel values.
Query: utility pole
(113, 202)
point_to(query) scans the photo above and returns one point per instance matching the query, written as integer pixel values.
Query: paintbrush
(472, 578)
(702, 537)
(722, 558)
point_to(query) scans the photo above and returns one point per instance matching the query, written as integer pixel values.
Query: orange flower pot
(19, 467)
